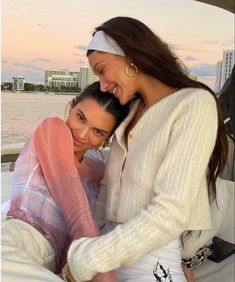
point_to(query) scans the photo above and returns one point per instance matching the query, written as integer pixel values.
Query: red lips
(77, 142)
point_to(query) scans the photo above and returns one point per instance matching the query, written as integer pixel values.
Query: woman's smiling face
(111, 72)
(90, 125)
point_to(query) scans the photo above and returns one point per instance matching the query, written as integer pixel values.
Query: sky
(53, 34)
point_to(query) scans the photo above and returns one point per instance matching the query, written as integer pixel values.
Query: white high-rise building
(61, 78)
(218, 76)
(224, 69)
(86, 77)
(18, 83)
(228, 62)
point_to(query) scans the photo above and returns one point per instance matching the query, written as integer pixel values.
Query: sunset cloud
(190, 58)
(80, 61)
(27, 66)
(41, 25)
(220, 42)
(80, 47)
(42, 60)
(204, 70)
(176, 46)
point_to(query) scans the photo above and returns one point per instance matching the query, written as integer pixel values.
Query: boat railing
(10, 153)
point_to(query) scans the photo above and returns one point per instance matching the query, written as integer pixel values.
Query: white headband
(102, 42)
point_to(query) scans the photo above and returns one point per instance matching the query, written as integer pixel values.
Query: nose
(103, 85)
(83, 132)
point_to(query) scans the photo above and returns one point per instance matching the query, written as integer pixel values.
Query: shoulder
(192, 102)
(185, 100)
(93, 161)
(51, 121)
(53, 124)
(187, 104)
(193, 96)
(54, 127)
(96, 165)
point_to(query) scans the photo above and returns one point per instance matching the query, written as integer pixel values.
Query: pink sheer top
(47, 191)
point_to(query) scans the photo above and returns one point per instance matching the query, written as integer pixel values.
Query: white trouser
(26, 255)
(161, 265)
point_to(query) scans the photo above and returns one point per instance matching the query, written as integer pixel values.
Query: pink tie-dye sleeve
(53, 146)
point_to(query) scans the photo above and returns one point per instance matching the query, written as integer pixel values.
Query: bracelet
(67, 275)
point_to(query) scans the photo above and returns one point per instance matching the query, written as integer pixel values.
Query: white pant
(161, 265)
(26, 255)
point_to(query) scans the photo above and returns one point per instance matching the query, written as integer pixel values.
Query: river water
(22, 112)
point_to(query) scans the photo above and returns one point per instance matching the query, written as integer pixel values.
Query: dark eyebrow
(82, 114)
(101, 130)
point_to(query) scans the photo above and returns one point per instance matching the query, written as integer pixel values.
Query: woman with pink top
(55, 188)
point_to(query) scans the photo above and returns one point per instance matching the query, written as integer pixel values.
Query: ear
(128, 60)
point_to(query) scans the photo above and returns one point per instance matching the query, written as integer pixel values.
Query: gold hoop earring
(133, 66)
(103, 144)
(99, 152)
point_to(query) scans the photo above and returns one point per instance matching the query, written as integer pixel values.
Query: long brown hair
(153, 57)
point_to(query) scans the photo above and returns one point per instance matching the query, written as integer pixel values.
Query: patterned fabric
(161, 274)
(46, 174)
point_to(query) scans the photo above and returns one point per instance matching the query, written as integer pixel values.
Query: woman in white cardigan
(163, 162)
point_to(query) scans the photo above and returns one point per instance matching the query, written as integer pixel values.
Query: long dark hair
(109, 102)
(153, 57)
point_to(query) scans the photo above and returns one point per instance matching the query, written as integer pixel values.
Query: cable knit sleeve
(53, 146)
(176, 186)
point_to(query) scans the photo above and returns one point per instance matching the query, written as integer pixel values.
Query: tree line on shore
(8, 86)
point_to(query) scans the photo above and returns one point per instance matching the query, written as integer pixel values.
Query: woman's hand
(110, 276)
(99, 277)
(188, 274)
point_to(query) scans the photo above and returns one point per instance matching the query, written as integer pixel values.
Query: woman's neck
(153, 90)
(79, 156)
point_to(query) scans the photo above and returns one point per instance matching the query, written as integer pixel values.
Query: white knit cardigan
(157, 187)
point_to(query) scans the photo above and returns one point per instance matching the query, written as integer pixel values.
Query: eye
(99, 132)
(80, 117)
(100, 72)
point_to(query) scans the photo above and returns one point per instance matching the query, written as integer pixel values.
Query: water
(22, 112)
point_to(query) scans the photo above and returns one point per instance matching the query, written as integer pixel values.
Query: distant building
(87, 77)
(61, 78)
(224, 69)
(192, 76)
(228, 62)
(218, 76)
(18, 83)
